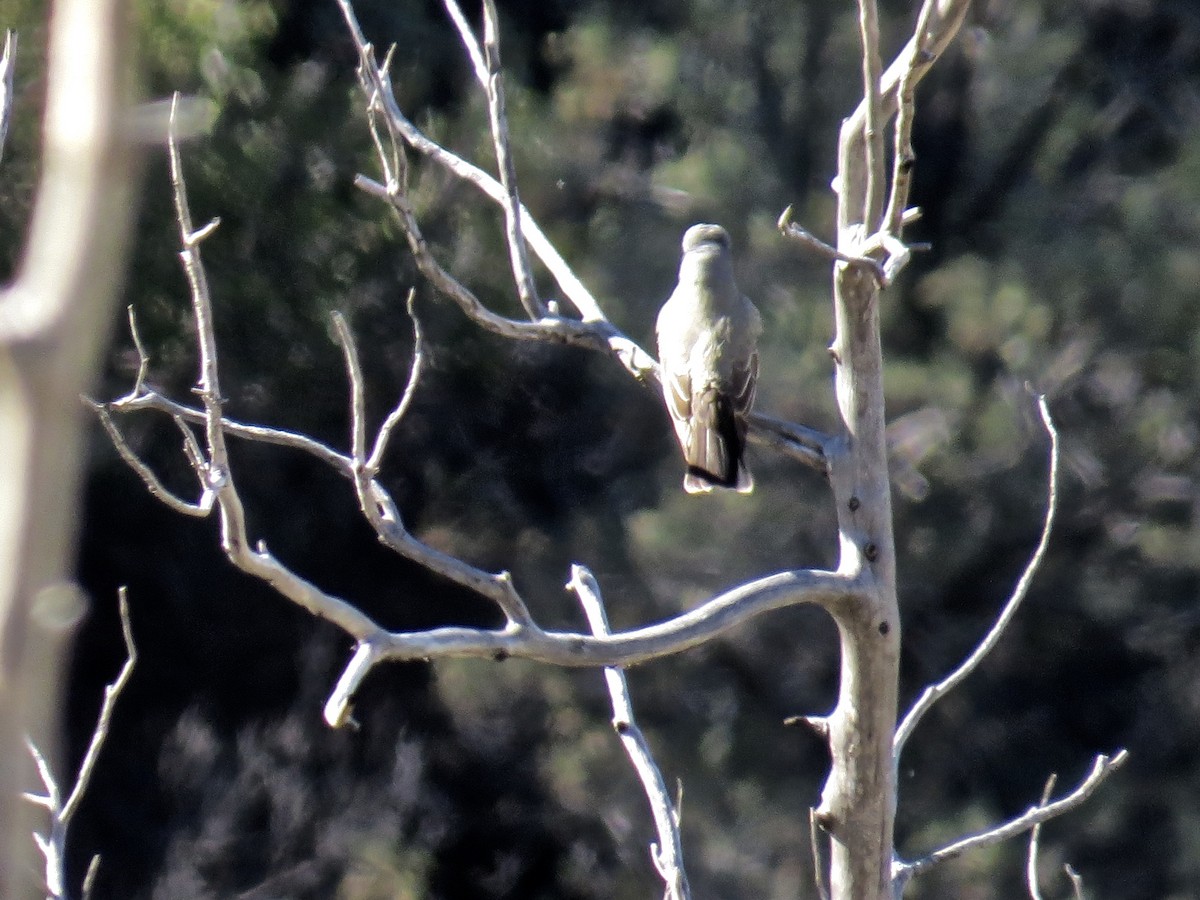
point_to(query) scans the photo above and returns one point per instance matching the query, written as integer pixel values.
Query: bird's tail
(714, 455)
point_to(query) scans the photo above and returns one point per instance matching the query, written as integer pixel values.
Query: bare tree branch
(215, 472)
(53, 845)
(381, 511)
(791, 229)
(868, 18)
(154, 485)
(668, 853)
(938, 23)
(152, 400)
(1035, 835)
(401, 408)
(486, 63)
(521, 637)
(381, 92)
(903, 157)
(933, 693)
(1035, 815)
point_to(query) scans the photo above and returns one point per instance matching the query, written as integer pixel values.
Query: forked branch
(1035, 815)
(53, 844)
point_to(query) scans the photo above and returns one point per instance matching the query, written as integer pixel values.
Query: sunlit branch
(903, 157)
(806, 238)
(667, 854)
(152, 400)
(1035, 815)
(410, 389)
(486, 62)
(868, 18)
(154, 485)
(216, 472)
(935, 692)
(941, 24)
(1035, 836)
(53, 845)
(380, 87)
(380, 510)
(830, 590)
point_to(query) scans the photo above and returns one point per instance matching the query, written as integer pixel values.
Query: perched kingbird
(708, 351)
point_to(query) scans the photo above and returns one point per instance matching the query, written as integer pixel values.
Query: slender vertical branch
(53, 844)
(1035, 836)
(933, 693)
(410, 390)
(868, 21)
(668, 853)
(904, 157)
(486, 63)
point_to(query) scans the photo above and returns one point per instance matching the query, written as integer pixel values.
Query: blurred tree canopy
(1058, 170)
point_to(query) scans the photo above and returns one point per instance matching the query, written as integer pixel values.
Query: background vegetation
(1059, 172)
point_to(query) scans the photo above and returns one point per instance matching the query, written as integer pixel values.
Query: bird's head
(701, 236)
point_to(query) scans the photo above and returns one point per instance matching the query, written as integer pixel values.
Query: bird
(708, 362)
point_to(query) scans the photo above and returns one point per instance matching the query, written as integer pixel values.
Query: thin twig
(53, 844)
(154, 485)
(469, 41)
(410, 389)
(904, 157)
(668, 853)
(935, 692)
(1035, 836)
(152, 400)
(486, 63)
(111, 694)
(553, 328)
(828, 252)
(377, 505)
(518, 254)
(1101, 769)
(139, 381)
(256, 561)
(377, 84)
(89, 877)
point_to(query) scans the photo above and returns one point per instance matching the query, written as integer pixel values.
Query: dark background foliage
(1059, 174)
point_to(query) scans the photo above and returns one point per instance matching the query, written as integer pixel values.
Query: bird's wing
(677, 390)
(743, 385)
